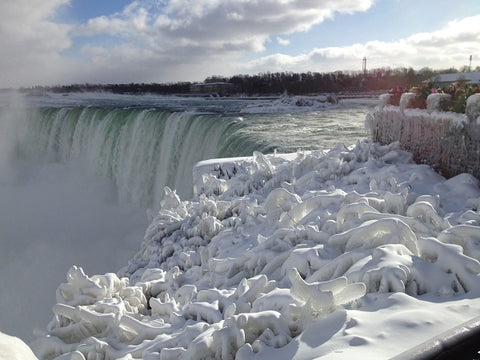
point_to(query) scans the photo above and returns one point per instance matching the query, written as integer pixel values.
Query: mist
(52, 216)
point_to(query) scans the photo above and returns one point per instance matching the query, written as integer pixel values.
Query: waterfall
(140, 150)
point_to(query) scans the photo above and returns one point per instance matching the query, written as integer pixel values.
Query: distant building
(220, 88)
(472, 78)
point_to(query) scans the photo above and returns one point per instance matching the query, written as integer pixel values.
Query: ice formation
(12, 348)
(472, 108)
(268, 247)
(287, 103)
(448, 141)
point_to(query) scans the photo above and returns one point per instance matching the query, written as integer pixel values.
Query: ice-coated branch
(323, 297)
(462, 273)
(372, 234)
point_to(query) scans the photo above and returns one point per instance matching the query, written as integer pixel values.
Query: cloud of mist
(53, 216)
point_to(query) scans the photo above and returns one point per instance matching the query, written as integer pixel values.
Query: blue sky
(100, 41)
(81, 11)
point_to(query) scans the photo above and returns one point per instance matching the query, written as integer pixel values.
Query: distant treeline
(132, 88)
(272, 83)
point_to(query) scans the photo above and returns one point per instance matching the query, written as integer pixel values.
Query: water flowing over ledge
(140, 150)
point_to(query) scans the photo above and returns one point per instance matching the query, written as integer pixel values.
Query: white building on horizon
(472, 78)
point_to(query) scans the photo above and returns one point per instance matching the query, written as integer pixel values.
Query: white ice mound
(12, 348)
(268, 245)
(294, 104)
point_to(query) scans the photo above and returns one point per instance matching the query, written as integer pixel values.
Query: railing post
(406, 101)
(472, 109)
(438, 102)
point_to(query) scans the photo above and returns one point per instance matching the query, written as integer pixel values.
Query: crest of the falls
(140, 150)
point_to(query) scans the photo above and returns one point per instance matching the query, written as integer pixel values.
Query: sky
(57, 42)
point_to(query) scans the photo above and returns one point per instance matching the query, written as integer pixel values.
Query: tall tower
(364, 66)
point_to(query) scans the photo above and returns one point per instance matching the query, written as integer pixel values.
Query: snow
(473, 108)
(351, 252)
(406, 101)
(438, 102)
(12, 348)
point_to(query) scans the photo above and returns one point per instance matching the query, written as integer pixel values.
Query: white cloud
(174, 40)
(215, 24)
(282, 41)
(444, 48)
(205, 35)
(30, 41)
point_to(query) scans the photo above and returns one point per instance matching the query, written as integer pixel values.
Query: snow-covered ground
(354, 252)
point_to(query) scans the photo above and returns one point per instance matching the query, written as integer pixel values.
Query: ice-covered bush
(263, 252)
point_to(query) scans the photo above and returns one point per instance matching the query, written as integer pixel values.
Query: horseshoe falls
(139, 150)
(142, 148)
(78, 174)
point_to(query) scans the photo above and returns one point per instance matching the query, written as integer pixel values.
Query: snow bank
(450, 142)
(352, 251)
